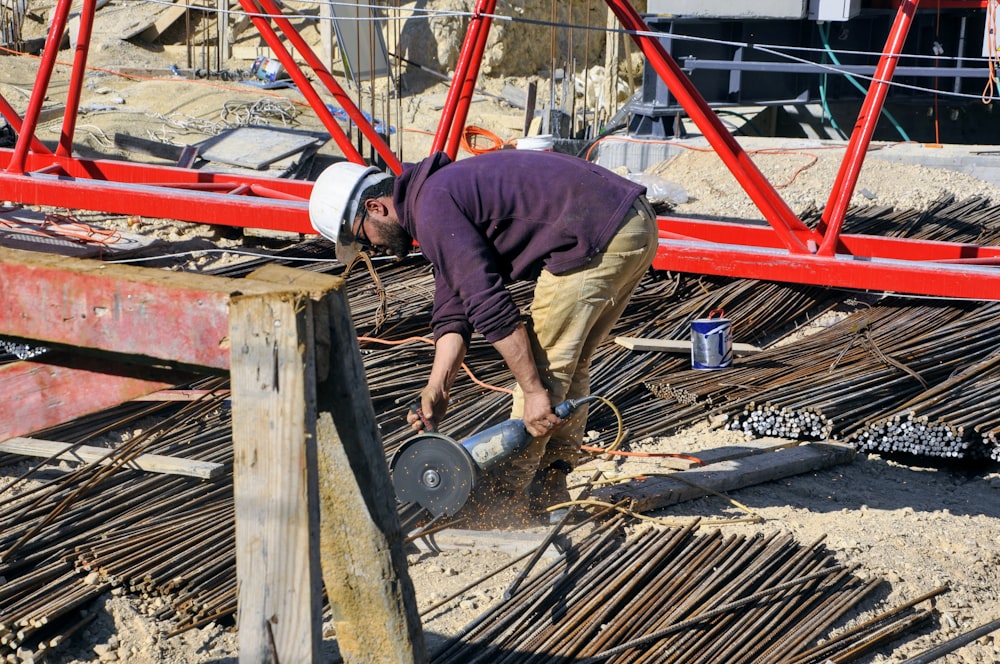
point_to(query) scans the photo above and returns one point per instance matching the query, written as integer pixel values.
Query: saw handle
(566, 408)
(429, 424)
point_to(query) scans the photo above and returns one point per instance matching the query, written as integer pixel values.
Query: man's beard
(396, 241)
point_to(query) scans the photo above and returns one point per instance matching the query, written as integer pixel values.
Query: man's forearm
(516, 351)
(449, 351)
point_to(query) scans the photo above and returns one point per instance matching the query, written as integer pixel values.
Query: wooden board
(675, 345)
(166, 18)
(512, 543)
(731, 452)
(658, 492)
(153, 463)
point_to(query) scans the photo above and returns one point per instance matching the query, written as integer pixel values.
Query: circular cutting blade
(435, 472)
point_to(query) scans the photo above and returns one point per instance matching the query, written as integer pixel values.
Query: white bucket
(545, 143)
(711, 342)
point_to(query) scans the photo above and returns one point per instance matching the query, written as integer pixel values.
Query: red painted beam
(857, 148)
(859, 246)
(174, 317)
(119, 187)
(844, 271)
(57, 388)
(449, 122)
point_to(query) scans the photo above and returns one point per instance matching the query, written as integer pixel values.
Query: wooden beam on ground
(58, 387)
(676, 345)
(305, 419)
(658, 492)
(181, 395)
(730, 452)
(166, 18)
(150, 463)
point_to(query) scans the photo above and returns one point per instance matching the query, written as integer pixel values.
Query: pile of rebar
(855, 375)
(169, 540)
(670, 595)
(957, 419)
(96, 527)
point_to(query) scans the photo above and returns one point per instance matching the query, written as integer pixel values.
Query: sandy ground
(914, 527)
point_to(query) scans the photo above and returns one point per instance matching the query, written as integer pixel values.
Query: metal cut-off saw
(439, 473)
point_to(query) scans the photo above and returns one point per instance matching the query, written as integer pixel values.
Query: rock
(105, 653)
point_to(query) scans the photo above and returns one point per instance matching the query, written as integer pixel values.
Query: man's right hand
(432, 408)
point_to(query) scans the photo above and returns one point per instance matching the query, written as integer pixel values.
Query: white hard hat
(333, 204)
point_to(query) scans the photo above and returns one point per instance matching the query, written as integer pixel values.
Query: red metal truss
(787, 250)
(784, 250)
(30, 173)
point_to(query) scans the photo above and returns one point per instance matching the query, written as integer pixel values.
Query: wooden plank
(133, 20)
(150, 463)
(175, 317)
(731, 452)
(181, 395)
(658, 492)
(166, 18)
(512, 543)
(279, 580)
(56, 388)
(676, 345)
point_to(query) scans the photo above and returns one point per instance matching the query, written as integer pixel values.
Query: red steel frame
(785, 250)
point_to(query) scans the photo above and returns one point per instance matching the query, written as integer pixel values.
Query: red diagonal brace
(871, 109)
(467, 69)
(760, 191)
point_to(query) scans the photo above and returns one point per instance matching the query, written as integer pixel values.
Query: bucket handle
(712, 313)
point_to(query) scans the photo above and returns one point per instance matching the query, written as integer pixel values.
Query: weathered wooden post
(312, 487)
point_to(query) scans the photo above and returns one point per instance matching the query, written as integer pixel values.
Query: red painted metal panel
(58, 388)
(166, 316)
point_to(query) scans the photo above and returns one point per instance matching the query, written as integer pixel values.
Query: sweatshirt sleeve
(470, 288)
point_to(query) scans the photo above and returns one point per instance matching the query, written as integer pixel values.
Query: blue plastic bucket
(711, 342)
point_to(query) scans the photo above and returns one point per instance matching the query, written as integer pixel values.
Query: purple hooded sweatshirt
(501, 217)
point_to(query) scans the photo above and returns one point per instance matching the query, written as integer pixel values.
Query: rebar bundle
(856, 371)
(958, 419)
(670, 595)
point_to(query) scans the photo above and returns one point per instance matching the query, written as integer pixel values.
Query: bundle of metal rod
(832, 382)
(945, 219)
(953, 420)
(90, 529)
(670, 595)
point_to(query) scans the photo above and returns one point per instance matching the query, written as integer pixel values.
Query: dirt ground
(915, 527)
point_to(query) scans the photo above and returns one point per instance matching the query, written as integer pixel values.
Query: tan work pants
(571, 314)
